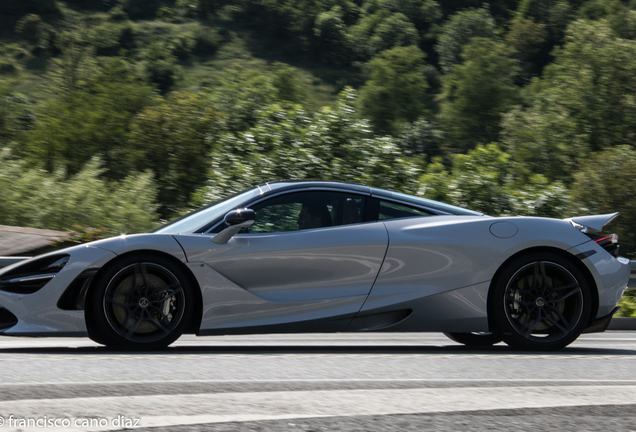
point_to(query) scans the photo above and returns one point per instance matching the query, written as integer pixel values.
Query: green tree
(477, 92)
(527, 38)
(584, 102)
(288, 144)
(605, 184)
(239, 94)
(76, 62)
(330, 36)
(424, 14)
(619, 16)
(37, 198)
(421, 137)
(172, 138)
(381, 31)
(483, 180)
(16, 115)
(289, 83)
(31, 29)
(458, 30)
(395, 31)
(92, 118)
(161, 65)
(395, 90)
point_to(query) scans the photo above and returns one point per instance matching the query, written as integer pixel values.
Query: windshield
(198, 218)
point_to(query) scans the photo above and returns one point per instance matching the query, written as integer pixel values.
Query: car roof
(283, 185)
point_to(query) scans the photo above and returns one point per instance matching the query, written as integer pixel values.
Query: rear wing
(592, 224)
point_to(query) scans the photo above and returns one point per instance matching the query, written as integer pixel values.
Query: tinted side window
(391, 210)
(307, 210)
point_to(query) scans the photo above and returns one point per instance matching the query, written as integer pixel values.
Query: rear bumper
(599, 325)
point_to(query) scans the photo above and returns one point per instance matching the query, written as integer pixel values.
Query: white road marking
(318, 380)
(173, 410)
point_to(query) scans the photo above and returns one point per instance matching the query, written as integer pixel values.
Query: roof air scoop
(592, 224)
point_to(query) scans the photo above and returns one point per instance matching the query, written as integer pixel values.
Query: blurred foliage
(173, 138)
(526, 38)
(483, 180)
(244, 93)
(288, 144)
(584, 102)
(36, 198)
(80, 234)
(421, 137)
(521, 107)
(627, 304)
(91, 117)
(605, 184)
(477, 92)
(381, 31)
(459, 30)
(396, 88)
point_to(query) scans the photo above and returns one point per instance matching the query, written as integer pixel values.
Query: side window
(391, 210)
(307, 210)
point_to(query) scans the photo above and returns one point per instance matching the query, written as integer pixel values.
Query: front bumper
(38, 314)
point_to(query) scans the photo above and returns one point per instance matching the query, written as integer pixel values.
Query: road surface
(341, 382)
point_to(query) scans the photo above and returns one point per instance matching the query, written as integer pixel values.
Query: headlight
(32, 275)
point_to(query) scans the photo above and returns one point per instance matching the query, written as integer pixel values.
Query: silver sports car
(313, 256)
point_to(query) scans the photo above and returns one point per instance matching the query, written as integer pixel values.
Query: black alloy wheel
(541, 302)
(140, 303)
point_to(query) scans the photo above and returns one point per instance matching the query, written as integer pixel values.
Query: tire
(140, 303)
(475, 339)
(541, 302)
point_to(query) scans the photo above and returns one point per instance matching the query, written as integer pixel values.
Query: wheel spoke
(534, 325)
(136, 325)
(571, 293)
(561, 317)
(535, 278)
(563, 329)
(158, 324)
(564, 287)
(144, 273)
(119, 303)
(158, 309)
(539, 273)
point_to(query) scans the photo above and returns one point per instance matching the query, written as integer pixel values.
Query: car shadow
(497, 350)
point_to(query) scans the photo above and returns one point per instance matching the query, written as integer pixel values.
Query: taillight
(608, 242)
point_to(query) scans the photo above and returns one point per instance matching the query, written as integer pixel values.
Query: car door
(285, 270)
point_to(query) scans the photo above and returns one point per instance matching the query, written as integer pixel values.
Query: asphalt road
(353, 382)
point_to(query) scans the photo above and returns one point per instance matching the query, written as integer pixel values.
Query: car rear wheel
(140, 303)
(541, 302)
(475, 339)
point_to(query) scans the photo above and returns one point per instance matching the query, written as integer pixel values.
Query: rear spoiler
(592, 224)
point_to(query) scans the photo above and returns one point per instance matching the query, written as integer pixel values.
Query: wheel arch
(195, 321)
(586, 272)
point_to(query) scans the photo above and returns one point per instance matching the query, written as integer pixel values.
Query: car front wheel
(541, 302)
(140, 303)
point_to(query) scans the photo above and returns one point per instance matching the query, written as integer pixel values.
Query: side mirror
(236, 220)
(240, 216)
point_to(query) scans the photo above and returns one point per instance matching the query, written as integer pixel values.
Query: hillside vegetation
(115, 114)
